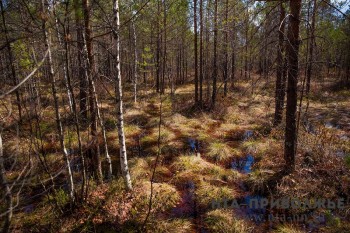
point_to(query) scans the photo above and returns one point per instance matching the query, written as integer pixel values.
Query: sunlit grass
(223, 221)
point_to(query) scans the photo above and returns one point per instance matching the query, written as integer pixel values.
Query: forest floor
(231, 153)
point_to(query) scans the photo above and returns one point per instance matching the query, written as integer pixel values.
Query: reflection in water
(243, 165)
(247, 135)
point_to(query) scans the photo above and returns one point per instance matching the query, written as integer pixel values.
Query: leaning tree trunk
(290, 145)
(280, 80)
(119, 101)
(55, 98)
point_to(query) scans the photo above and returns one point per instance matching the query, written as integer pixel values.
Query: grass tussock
(206, 193)
(221, 152)
(165, 197)
(223, 221)
(178, 225)
(287, 229)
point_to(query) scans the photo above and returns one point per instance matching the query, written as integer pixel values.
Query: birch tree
(52, 78)
(119, 100)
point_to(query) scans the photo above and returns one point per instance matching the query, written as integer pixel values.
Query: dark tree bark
(226, 49)
(311, 52)
(12, 64)
(195, 52)
(81, 72)
(215, 68)
(290, 145)
(158, 48)
(201, 53)
(164, 65)
(89, 61)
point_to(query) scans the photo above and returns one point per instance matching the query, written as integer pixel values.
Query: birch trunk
(57, 113)
(65, 68)
(119, 101)
(74, 110)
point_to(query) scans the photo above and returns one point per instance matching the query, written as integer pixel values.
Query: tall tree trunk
(164, 68)
(158, 48)
(89, 65)
(135, 60)
(280, 80)
(215, 68)
(226, 49)
(119, 101)
(233, 55)
(12, 64)
(65, 68)
(246, 42)
(74, 110)
(311, 52)
(195, 52)
(290, 145)
(81, 73)
(201, 53)
(55, 98)
(207, 45)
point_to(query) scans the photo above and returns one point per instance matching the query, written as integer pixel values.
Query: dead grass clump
(287, 228)
(196, 169)
(223, 221)
(165, 197)
(221, 152)
(258, 180)
(206, 193)
(177, 225)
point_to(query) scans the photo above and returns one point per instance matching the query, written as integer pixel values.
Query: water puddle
(330, 125)
(193, 146)
(250, 211)
(248, 134)
(187, 206)
(29, 208)
(243, 165)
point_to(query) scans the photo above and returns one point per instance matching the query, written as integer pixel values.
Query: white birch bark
(57, 113)
(119, 101)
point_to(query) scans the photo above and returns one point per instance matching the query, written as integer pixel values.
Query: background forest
(137, 116)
